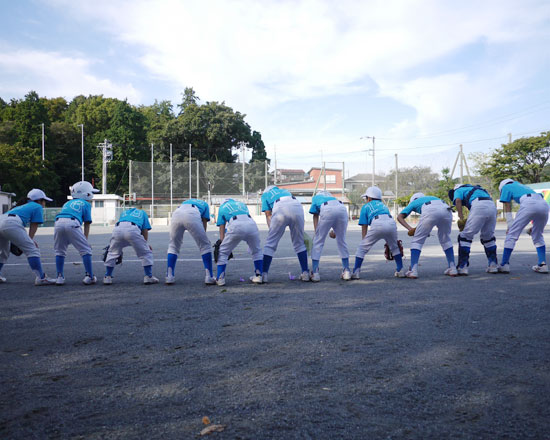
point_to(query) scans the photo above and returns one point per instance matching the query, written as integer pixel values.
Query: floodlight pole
(82, 149)
(42, 143)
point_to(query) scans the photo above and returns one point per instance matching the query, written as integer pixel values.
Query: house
(317, 179)
(362, 181)
(5, 201)
(289, 175)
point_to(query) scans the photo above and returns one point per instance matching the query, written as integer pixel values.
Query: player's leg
(196, 229)
(145, 254)
(368, 241)
(326, 221)
(233, 237)
(4, 251)
(117, 243)
(523, 217)
(390, 235)
(296, 227)
(81, 244)
(444, 225)
(540, 219)
(340, 227)
(60, 244)
(252, 238)
(421, 233)
(488, 240)
(276, 230)
(177, 230)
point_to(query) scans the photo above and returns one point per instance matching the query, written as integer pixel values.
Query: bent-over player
(236, 225)
(433, 212)
(329, 214)
(482, 218)
(68, 230)
(193, 216)
(377, 224)
(532, 207)
(281, 210)
(132, 229)
(12, 231)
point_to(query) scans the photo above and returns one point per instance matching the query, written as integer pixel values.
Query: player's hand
(332, 234)
(35, 243)
(461, 223)
(529, 231)
(411, 232)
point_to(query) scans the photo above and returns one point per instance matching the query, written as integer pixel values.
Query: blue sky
(313, 77)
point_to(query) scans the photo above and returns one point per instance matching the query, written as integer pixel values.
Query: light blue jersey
(137, 217)
(203, 207)
(318, 201)
(416, 206)
(370, 210)
(463, 191)
(30, 212)
(514, 191)
(78, 209)
(270, 197)
(230, 209)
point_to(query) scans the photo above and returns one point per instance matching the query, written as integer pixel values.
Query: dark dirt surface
(376, 358)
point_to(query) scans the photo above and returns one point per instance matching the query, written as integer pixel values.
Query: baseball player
(532, 207)
(482, 218)
(376, 224)
(329, 215)
(12, 231)
(281, 210)
(132, 229)
(236, 225)
(193, 216)
(433, 212)
(68, 230)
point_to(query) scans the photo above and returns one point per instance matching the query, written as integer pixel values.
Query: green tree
(189, 97)
(524, 160)
(27, 116)
(156, 117)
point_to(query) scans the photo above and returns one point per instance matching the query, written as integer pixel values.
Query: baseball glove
(411, 232)
(461, 224)
(15, 250)
(332, 234)
(216, 247)
(106, 251)
(387, 252)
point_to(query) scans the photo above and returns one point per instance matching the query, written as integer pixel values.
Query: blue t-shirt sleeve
(265, 204)
(315, 207)
(505, 194)
(221, 218)
(146, 224)
(363, 218)
(407, 210)
(87, 213)
(206, 212)
(37, 214)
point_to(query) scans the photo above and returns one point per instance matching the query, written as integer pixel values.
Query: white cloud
(55, 74)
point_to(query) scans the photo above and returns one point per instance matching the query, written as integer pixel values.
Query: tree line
(213, 129)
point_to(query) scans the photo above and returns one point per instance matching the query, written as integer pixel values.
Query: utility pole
(275, 172)
(396, 171)
(460, 156)
(82, 146)
(242, 144)
(373, 157)
(107, 154)
(171, 180)
(42, 143)
(152, 184)
(190, 195)
(509, 138)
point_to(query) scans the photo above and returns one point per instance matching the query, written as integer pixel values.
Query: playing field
(381, 357)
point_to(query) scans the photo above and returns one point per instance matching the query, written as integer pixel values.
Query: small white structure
(5, 201)
(106, 208)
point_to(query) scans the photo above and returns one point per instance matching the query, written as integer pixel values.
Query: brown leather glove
(411, 232)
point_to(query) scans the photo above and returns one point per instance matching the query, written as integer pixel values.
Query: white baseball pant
(333, 215)
(482, 218)
(381, 228)
(188, 218)
(68, 231)
(13, 231)
(128, 234)
(434, 213)
(287, 211)
(241, 228)
(532, 207)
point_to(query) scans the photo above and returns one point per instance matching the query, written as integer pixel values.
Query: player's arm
(403, 222)
(33, 227)
(205, 223)
(315, 221)
(268, 215)
(458, 204)
(145, 233)
(364, 229)
(507, 208)
(222, 232)
(87, 229)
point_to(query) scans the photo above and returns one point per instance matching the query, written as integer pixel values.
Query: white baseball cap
(504, 182)
(324, 193)
(373, 192)
(458, 185)
(417, 196)
(269, 188)
(37, 194)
